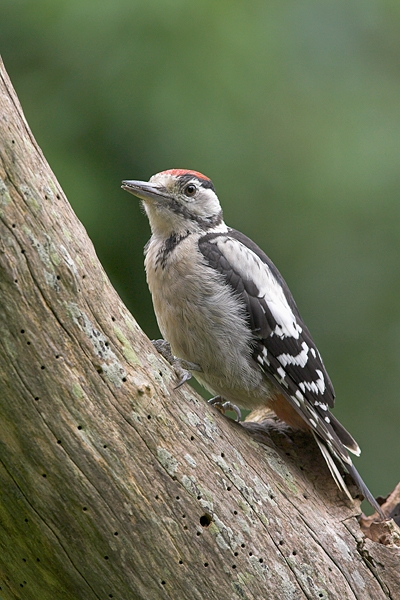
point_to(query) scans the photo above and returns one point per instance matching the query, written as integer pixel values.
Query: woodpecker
(228, 316)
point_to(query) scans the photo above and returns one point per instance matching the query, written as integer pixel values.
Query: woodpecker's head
(178, 201)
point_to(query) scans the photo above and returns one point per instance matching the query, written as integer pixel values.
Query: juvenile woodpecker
(229, 316)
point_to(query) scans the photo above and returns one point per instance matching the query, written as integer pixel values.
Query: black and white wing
(283, 346)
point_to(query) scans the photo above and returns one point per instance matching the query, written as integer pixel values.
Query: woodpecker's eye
(190, 190)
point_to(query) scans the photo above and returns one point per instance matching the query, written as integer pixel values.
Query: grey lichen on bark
(115, 485)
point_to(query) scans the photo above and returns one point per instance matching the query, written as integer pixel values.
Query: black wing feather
(263, 323)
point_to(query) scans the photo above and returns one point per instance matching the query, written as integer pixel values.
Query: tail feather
(364, 490)
(332, 467)
(330, 460)
(344, 436)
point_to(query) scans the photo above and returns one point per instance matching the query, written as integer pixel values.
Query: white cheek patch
(249, 266)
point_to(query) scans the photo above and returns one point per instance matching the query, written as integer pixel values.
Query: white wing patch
(263, 358)
(299, 360)
(249, 266)
(318, 386)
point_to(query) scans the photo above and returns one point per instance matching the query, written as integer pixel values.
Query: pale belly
(205, 325)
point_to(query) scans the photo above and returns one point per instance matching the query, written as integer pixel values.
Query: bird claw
(224, 406)
(181, 367)
(183, 375)
(164, 348)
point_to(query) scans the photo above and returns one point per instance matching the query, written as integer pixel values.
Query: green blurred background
(292, 108)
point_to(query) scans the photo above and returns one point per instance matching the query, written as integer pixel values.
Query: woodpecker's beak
(142, 189)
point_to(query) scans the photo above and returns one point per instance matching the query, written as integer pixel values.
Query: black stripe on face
(168, 247)
(205, 183)
(205, 222)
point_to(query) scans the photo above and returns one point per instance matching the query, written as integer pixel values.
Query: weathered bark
(113, 485)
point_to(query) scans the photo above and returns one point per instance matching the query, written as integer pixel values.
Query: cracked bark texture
(113, 484)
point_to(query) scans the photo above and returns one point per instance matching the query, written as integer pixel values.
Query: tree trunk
(115, 485)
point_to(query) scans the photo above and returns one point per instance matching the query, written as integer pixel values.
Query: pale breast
(200, 317)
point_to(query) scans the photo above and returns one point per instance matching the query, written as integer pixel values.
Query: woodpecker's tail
(330, 461)
(344, 436)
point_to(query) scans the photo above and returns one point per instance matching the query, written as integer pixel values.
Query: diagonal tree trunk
(113, 484)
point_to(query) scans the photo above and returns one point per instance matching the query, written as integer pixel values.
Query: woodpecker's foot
(181, 367)
(222, 406)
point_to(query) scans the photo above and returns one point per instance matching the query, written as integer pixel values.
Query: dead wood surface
(113, 485)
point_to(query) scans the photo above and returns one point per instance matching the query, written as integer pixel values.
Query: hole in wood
(205, 520)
